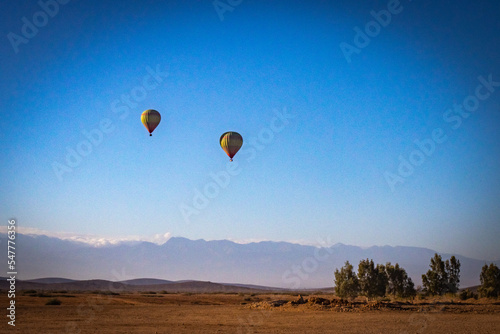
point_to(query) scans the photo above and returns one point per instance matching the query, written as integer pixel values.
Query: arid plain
(156, 312)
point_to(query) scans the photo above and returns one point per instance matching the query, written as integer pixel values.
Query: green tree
(382, 280)
(435, 280)
(490, 281)
(452, 267)
(346, 282)
(443, 277)
(399, 284)
(372, 280)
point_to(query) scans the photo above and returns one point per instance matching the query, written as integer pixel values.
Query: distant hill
(474, 289)
(62, 284)
(146, 281)
(118, 287)
(51, 280)
(257, 287)
(268, 264)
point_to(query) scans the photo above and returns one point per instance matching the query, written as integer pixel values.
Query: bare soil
(245, 313)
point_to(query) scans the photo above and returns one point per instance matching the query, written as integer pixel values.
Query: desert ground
(157, 312)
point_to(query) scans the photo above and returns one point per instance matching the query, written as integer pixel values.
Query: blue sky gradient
(322, 174)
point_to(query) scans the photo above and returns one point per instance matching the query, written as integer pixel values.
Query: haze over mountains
(139, 285)
(274, 264)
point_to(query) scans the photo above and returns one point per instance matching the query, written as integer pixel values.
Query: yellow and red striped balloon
(231, 143)
(150, 118)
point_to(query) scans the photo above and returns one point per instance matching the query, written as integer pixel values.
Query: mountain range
(272, 264)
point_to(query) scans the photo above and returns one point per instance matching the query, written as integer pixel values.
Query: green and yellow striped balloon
(231, 143)
(150, 118)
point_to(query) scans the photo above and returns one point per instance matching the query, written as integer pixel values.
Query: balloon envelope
(231, 143)
(150, 118)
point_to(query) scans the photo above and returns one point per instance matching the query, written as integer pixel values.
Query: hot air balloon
(231, 143)
(150, 118)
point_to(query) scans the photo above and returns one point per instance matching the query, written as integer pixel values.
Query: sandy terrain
(245, 313)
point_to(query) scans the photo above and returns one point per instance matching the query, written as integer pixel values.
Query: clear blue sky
(322, 176)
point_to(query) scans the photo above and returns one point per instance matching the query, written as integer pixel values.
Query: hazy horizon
(158, 239)
(364, 123)
(265, 263)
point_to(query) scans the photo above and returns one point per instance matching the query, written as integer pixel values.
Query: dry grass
(249, 313)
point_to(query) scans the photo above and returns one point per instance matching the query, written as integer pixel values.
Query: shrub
(41, 294)
(107, 293)
(421, 296)
(467, 294)
(53, 301)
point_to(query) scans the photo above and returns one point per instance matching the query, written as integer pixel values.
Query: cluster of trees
(443, 277)
(380, 280)
(373, 281)
(490, 281)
